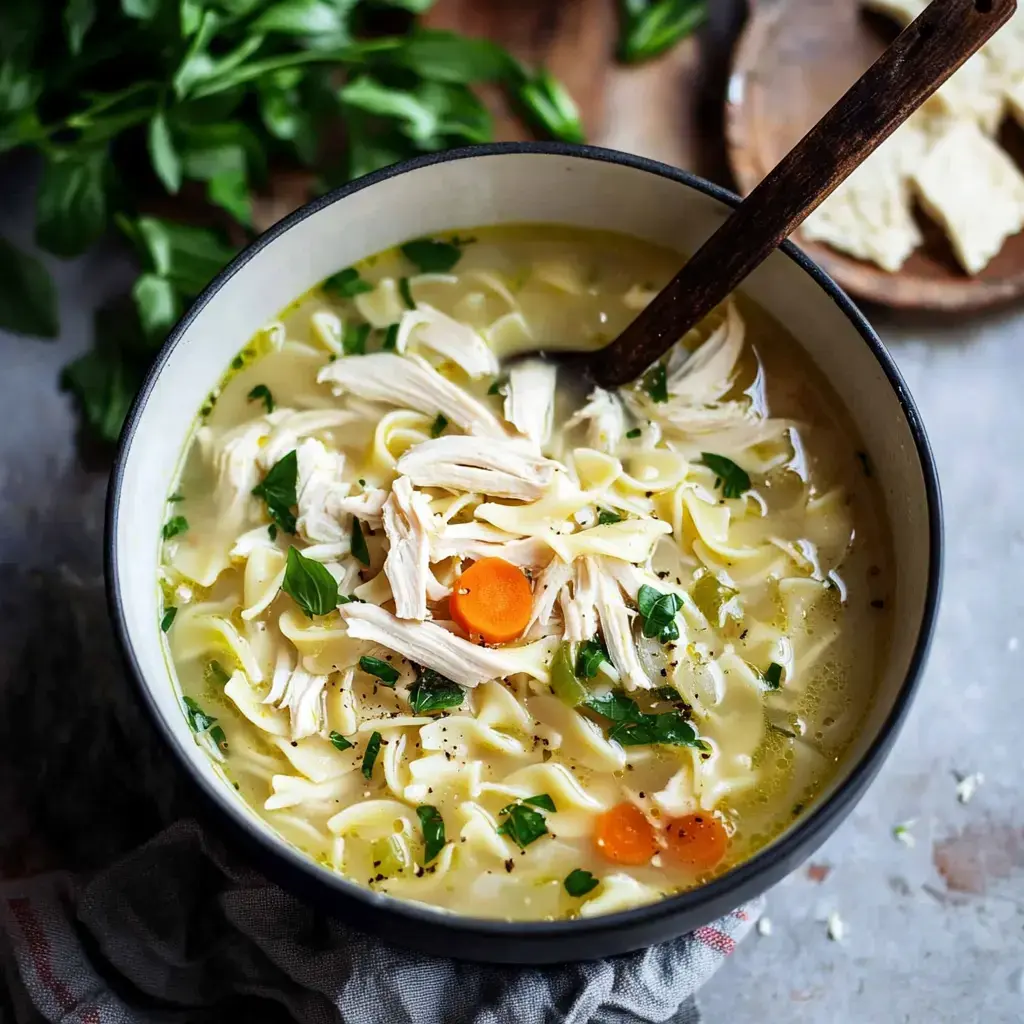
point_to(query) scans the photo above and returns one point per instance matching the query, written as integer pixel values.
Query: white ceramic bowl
(509, 184)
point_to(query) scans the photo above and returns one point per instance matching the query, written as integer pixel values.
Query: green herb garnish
(278, 491)
(358, 545)
(346, 284)
(262, 393)
(176, 497)
(633, 727)
(353, 340)
(203, 724)
(580, 882)
(216, 675)
(433, 831)
(655, 383)
(658, 612)
(168, 619)
(434, 692)
(339, 741)
(545, 103)
(174, 526)
(432, 257)
(372, 750)
(381, 669)
(309, 584)
(772, 676)
(272, 531)
(390, 342)
(634, 433)
(605, 516)
(406, 292)
(438, 426)
(541, 800)
(522, 824)
(733, 479)
(650, 27)
(589, 657)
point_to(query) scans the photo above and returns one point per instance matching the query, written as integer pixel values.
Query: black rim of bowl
(739, 883)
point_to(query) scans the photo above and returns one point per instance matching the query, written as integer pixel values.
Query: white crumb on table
(764, 925)
(967, 786)
(835, 927)
(902, 834)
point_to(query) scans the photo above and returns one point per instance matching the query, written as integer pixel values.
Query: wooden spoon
(908, 72)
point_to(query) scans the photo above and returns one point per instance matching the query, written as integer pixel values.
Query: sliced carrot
(625, 836)
(696, 841)
(492, 599)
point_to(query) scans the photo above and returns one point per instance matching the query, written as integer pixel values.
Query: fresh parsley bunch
(131, 102)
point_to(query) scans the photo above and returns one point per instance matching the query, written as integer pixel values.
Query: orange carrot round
(492, 599)
(696, 841)
(625, 836)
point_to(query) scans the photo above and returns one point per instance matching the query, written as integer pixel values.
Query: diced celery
(568, 689)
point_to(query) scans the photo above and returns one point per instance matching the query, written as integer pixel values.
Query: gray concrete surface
(934, 933)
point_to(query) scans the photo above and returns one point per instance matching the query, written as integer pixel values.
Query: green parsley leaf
(433, 831)
(615, 706)
(733, 479)
(406, 292)
(546, 103)
(346, 284)
(168, 619)
(589, 657)
(372, 750)
(390, 338)
(650, 27)
(430, 256)
(176, 497)
(165, 158)
(309, 584)
(579, 882)
(497, 386)
(541, 800)
(174, 526)
(772, 676)
(272, 531)
(229, 189)
(658, 612)
(522, 824)
(438, 426)
(353, 341)
(434, 692)
(156, 303)
(386, 673)
(359, 550)
(655, 383)
(28, 299)
(631, 727)
(71, 204)
(278, 490)
(634, 433)
(262, 393)
(203, 724)
(605, 516)
(78, 18)
(339, 741)
(447, 57)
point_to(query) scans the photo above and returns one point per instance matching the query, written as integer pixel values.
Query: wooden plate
(793, 61)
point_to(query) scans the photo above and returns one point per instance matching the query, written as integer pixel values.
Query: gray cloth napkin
(181, 929)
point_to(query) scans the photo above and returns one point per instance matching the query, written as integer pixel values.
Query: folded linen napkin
(183, 930)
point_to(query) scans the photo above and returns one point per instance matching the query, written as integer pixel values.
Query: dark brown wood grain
(794, 59)
(911, 69)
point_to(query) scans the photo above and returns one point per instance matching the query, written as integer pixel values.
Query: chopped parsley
(261, 393)
(278, 491)
(432, 257)
(734, 480)
(589, 657)
(203, 724)
(579, 882)
(541, 800)
(272, 531)
(346, 284)
(353, 340)
(165, 622)
(174, 526)
(434, 692)
(439, 425)
(175, 497)
(433, 831)
(309, 584)
(658, 612)
(632, 435)
(372, 750)
(390, 342)
(381, 669)
(340, 742)
(655, 383)
(772, 676)
(606, 516)
(406, 292)
(497, 386)
(359, 549)
(633, 728)
(522, 824)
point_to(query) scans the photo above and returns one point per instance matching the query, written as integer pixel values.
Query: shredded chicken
(408, 523)
(504, 468)
(546, 592)
(579, 611)
(605, 419)
(319, 482)
(618, 635)
(706, 375)
(427, 643)
(530, 399)
(295, 689)
(293, 426)
(480, 540)
(458, 342)
(410, 382)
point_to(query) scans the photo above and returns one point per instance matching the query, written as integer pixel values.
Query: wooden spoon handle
(911, 69)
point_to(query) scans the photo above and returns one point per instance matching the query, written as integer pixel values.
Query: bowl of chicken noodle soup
(481, 658)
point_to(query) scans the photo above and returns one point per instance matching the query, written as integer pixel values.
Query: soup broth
(470, 635)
